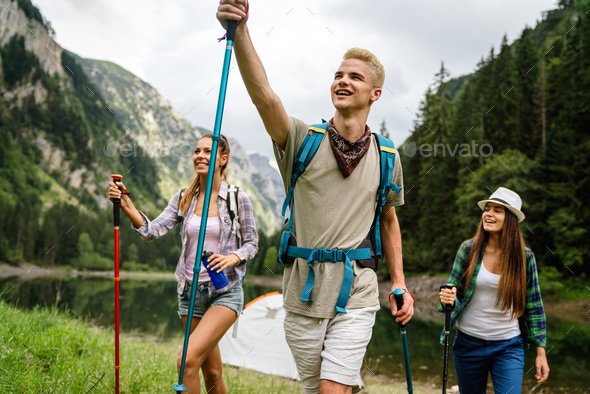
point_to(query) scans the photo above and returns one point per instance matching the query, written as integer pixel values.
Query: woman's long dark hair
(512, 286)
(223, 149)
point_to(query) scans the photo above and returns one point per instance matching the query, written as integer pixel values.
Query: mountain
(66, 124)
(169, 139)
(148, 119)
(263, 164)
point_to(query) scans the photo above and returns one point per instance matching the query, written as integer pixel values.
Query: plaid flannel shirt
(534, 314)
(228, 242)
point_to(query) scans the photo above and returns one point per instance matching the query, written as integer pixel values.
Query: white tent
(260, 341)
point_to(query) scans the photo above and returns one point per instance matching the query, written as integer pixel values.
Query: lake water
(149, 307)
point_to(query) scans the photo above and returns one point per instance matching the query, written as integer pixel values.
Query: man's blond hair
(373, 64)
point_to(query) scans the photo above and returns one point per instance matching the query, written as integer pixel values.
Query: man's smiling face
(353, 87)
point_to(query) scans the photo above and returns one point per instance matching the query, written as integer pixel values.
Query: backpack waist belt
(324, 256)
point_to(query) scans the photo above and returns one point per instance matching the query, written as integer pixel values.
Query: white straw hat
(507, 198)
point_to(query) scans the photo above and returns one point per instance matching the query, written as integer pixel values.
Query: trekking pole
(399, 300)
(116, 222)
(448, 309)
(231, 33)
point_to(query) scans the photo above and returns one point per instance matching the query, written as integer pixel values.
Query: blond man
(334, 204)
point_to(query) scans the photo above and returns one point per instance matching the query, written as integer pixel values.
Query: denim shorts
(232, 299)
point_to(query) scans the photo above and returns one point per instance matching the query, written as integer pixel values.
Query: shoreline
(28, 271)
(424, 288)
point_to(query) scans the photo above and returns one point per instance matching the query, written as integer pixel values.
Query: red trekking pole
(116, 221)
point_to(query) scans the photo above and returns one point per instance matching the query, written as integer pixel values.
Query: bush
(271, 266)
(85, 245)
(160, 264)
(87, 258)
(550, 281)
(93, 261)
(134, 266)
(14, 257)
(132, 253)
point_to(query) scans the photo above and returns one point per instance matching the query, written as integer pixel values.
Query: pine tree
(383, 130)
(506, 132)
(527, 72)
(132, 253)
(85, 246)
(438, 119)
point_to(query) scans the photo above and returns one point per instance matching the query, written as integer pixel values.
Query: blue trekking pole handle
(231, 33)
(399, 301)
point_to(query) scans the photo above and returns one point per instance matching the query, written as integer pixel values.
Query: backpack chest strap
(333, 256)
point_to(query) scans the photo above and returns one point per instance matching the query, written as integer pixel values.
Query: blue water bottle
(218, 278)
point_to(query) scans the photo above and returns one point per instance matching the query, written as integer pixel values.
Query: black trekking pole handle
(231, 29)
(448, 308)
(116, 201)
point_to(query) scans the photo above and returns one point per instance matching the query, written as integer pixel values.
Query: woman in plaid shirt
(496, 288)
(215, 310)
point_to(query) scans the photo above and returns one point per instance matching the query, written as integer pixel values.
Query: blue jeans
(474, 357)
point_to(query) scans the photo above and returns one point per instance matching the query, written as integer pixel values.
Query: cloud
(173, 46)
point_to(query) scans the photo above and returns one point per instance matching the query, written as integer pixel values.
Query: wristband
(407, 291)
(413, 299)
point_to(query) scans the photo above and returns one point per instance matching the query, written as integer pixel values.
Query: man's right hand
(232, 10)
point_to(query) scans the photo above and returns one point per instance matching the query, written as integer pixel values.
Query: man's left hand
(405, 314)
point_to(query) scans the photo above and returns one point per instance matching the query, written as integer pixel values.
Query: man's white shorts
(331, 349)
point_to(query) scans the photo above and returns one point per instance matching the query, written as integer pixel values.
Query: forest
(529, 103)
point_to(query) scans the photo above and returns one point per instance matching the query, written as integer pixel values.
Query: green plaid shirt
(534, 314)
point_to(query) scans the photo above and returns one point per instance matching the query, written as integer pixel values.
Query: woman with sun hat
(496, 301)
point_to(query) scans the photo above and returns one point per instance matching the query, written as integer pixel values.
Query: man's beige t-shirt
(331, 212)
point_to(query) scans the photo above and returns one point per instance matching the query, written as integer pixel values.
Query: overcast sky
(173, 46)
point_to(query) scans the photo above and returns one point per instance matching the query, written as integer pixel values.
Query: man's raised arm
(269, 106)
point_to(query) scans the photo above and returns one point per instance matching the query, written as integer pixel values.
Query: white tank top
(211, 244)
(481, 317)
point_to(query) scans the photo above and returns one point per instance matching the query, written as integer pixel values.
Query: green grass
(47, 352)
(52, 352)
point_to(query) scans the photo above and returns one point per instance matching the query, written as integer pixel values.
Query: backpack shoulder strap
(307, 150)
(179, 212)
(233, 210)
(387, 154)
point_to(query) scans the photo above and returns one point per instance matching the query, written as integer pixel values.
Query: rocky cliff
(14, 21)
(262, 163)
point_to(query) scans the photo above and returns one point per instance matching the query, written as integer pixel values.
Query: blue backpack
(369, 250)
